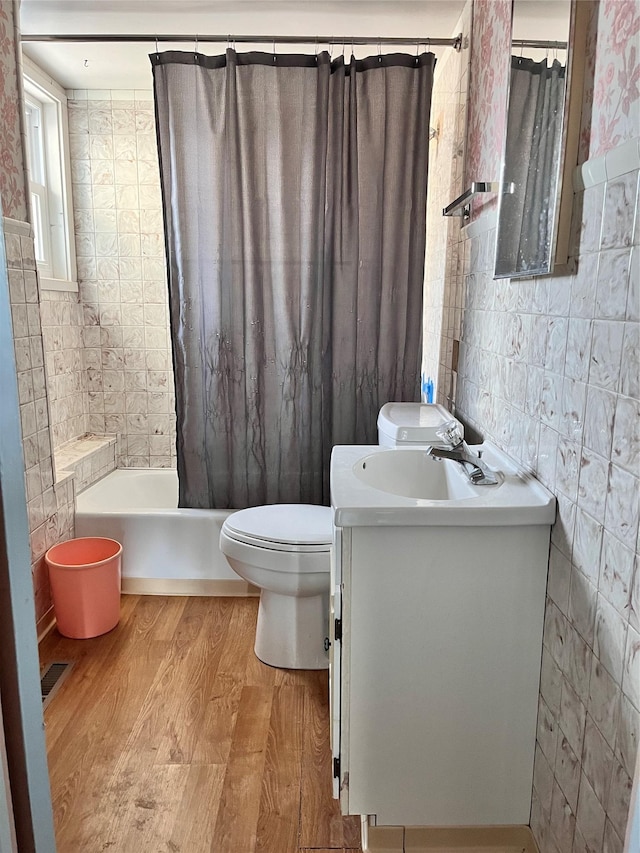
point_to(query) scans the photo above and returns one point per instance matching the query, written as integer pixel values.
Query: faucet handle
(450, 433)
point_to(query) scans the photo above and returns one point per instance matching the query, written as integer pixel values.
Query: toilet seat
(299, 528)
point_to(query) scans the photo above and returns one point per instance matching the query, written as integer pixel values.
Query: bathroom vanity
(437, 590)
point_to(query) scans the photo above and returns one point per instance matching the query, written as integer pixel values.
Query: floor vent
(52, 678)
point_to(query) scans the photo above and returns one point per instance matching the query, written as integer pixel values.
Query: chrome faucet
(460, 452)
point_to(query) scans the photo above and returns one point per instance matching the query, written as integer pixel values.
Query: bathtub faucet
(459, 451)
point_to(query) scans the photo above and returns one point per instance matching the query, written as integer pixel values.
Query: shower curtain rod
(455, 42)
(552, 45)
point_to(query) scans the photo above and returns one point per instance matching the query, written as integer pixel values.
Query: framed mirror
(535, 147)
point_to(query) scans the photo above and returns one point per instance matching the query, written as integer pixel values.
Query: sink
(412, 473)
(373, 485)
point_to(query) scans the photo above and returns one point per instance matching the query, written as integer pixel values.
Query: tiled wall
(549, 371)
(121, 272)
(49, 505)
(446, 164)
(62, 335)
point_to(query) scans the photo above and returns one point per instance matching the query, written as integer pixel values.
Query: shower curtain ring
(157, 51)
(274, 50)
(379, 49)
(195, 45)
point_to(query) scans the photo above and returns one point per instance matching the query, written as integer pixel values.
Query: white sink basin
(405, 486)
(414, 474)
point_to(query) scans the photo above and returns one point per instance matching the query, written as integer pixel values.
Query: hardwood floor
(170, 736)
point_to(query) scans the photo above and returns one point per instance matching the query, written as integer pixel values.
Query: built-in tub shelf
(87, 459)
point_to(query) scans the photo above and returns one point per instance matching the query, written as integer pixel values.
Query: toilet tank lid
(292, 524)
(417, 422)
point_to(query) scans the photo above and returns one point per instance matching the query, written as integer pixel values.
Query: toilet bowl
(284, 549)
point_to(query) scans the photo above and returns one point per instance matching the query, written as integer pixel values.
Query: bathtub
(165, 550)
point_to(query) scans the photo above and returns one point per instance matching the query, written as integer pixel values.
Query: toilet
(414, 425)
(285, 550)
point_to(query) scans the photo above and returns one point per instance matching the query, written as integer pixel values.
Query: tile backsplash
(122, 274)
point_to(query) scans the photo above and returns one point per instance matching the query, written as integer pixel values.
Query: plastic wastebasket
(85, 585)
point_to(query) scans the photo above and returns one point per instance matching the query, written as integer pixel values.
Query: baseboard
(187, 586)
(480, 839)
(45, 624)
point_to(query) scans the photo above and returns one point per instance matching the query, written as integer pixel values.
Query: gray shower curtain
(294, 199)
(534, 133)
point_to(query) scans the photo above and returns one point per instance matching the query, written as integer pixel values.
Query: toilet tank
(413, 424)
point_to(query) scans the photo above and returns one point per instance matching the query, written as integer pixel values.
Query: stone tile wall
(121, 272)
(50, 505)
(62, 335)
(549, 370)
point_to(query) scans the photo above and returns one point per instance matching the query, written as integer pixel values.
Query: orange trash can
(84, 575)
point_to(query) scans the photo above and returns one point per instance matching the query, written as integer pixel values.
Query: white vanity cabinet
(435, 678)
(435, 668)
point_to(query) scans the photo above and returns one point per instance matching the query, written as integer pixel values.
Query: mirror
(535, 141)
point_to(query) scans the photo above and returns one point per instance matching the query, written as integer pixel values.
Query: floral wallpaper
(11, 162)
(612, 87)
(612, 78)
(491, 37)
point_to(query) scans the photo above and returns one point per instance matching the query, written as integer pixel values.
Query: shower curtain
(294, 194)
(534, 133)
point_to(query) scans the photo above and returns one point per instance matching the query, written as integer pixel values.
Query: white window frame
(50, 178)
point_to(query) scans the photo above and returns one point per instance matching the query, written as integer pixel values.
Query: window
(48, 163)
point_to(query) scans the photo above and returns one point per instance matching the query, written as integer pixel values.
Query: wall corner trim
(606, 167)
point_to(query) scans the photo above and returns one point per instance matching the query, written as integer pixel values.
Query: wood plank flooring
(170, 736)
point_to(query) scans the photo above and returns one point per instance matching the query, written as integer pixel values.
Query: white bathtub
(165, 550)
